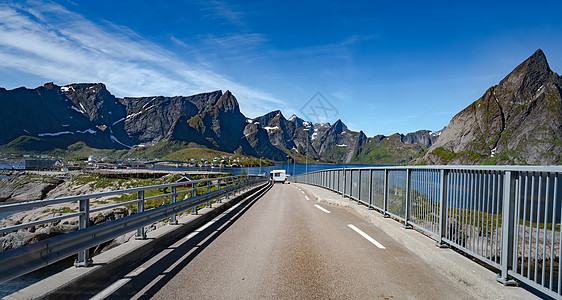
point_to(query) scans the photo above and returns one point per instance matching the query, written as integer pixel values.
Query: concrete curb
(475, 279)
(68, 283)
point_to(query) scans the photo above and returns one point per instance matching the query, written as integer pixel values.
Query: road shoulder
(475, 279)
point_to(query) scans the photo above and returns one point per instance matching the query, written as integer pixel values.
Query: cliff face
(518, 121)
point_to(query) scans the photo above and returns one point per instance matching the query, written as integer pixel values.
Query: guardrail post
(408, 199)
(173, 219)
(218, 189)
(443, 208)
(508, 216)
(371, 189)
(385, 195)
(194, 194)
(83, 259)
(141, 234)
(208, 192)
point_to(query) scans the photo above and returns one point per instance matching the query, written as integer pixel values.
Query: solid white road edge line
(321, 208)
(366, 236)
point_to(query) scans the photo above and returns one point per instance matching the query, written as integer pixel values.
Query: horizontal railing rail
(508, 217)
(19, 261)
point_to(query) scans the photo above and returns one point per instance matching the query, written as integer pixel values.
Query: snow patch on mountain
(91, 131)
(271, 128)
(55, 133)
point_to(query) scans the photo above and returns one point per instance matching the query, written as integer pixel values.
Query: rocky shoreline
(22, 186)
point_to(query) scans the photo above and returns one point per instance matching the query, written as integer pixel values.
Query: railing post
(508, 215)
(141, 234)
(359, 188)
(83, 259)
(371, 189)
(194, 194)
(408, 199)
(343, 188)
(443, 207)
(208, 192)
(173, 219)
(350, 192)
(385, 195)
(218, 189)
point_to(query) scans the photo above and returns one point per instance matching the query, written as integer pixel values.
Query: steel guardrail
(508, 217)
(19, 261)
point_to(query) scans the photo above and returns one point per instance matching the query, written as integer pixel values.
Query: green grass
(448, 156)
(62, 210)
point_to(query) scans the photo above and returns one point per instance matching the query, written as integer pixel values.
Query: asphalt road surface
(284, 245)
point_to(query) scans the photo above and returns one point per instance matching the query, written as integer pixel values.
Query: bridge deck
(287, 245)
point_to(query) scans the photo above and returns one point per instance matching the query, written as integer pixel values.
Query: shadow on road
(163, 269)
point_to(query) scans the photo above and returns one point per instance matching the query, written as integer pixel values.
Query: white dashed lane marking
(366, 236)
(321, 208)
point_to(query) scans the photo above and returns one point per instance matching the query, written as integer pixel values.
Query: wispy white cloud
(179, 42)
(46, 39)
(220, 10)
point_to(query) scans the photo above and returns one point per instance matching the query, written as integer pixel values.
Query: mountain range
(517, 121)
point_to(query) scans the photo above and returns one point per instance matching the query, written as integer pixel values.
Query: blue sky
(384, 67)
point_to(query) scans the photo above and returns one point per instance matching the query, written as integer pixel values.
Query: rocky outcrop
(425, 138)
(26, 188)
(518, 121)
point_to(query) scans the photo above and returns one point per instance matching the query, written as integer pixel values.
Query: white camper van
(278, 176)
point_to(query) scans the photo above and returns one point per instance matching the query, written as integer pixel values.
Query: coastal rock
(26, 188)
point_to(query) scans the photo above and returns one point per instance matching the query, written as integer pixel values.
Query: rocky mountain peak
(205, 101)
(339, 126)
(524, 81)
(273, 118)
(228, 103)
(94, 101)
(514, 122)
(296, 120)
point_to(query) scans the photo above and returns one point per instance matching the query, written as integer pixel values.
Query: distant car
(278, 176)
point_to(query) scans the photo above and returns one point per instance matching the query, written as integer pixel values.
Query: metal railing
(509, 217)
(19, 261)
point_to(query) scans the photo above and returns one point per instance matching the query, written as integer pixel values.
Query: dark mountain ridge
(518, 121)
(87, 112)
